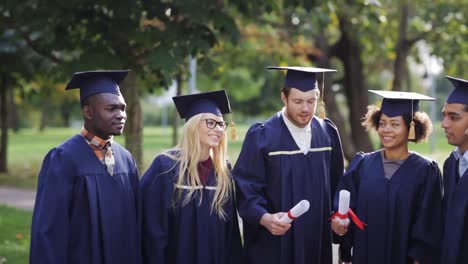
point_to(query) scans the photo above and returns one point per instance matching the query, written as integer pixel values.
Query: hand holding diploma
(274, 225)
(344, 211)
(278, 224)
(298, 210)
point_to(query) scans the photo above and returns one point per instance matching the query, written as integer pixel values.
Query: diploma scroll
(343, 207)
(344, 211)
(298, 210)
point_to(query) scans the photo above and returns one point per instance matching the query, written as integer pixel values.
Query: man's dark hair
(85, 102)
(285, 91)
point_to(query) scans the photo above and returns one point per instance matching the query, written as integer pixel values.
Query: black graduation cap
(397, 103)
(302, 78)
(400, 103)
(460, 94)
(190, 105)
(95, 82)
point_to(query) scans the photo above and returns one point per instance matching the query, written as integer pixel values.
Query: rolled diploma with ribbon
(343, 207)
(344, 211)
(298, 210)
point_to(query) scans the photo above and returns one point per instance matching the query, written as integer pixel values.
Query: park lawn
(27, 148)
(15, 228)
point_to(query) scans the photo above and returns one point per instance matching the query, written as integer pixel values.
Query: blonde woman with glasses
(188, 210)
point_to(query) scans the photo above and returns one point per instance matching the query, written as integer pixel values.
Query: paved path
(18, 198)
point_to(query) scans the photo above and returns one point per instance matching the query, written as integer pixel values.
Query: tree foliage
(368, 41)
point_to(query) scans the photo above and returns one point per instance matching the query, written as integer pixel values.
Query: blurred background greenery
(182, 46)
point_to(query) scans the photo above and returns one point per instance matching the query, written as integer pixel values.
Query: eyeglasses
(211, 124)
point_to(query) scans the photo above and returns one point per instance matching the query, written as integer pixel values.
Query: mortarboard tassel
(233, 129)
(411, 134)
(321, 107)
(321, 110)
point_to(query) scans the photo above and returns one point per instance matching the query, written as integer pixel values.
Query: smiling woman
(189, 214)
(397, 192)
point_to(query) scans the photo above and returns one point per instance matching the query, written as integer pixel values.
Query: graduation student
(396, 191)
(292, 156)
(189, 212)
(86, 202)
(455, 124)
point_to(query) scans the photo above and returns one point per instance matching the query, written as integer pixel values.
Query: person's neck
(396, 153)
(204, 155)
(103, 137)
(462, 148)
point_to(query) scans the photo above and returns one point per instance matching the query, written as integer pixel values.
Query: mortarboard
(190, 105)
(215, 102)
(304, 79)
(95, 82)
(460, 94)
(397, 103)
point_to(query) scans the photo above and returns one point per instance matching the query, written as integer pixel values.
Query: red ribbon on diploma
(290, 216)
(354, 218)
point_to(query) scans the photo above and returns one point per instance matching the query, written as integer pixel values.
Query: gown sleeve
(250, 176)
(349, 182)
(446, 186)
(337, 162)
(156, 196)
(427, 227)
(51, 220)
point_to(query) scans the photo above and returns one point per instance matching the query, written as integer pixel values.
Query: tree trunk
(329, 98)
(3, 124)
(44, 115)
(348, 50)
(13, 113)
(175, 120)
(65, 114)
(134, 125)
(402, 49)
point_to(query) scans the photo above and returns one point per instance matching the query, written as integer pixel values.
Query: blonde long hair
(187, 156)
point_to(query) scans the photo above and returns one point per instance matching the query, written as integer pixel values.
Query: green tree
(148, 37)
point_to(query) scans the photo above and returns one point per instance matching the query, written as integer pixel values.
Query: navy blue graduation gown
(455, 245)
(273, 175)
(189, 234)
(403, 213)
(82, 214)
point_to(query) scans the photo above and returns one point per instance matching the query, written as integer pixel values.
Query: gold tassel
(233, 129)
(412, 133)
(321, 110)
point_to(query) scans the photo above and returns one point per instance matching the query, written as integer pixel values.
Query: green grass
(15, 228)
(27, 149)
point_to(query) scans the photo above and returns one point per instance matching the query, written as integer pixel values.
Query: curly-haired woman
(396, 191)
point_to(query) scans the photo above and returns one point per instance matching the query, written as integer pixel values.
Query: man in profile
(86, 203)
(455, 125)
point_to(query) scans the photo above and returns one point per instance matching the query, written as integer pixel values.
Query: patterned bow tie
(109, 159)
